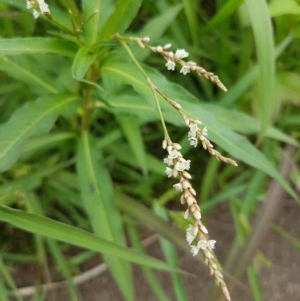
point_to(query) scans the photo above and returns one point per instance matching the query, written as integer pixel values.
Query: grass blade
(56, 230)
(263, 35)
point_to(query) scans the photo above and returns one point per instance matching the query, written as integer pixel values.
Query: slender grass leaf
(156, 27)
(97, 198)
(121, 18)
(34, 118)
(190, 9)
(3, 294)
(149, 275)
(130, 127)
(17, 46)
(263, 34)
(56, 230)
(8, 278)
(64, 268)
(245, 82)
(223, 13)
(171, 256)
(254, 283)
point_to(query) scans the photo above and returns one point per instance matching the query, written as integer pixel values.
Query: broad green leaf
(263, 35)
(17, 46)
(245, 124)
(121, 18)
(236, 145)
(26, 75)
(97, 196)
(130, 127)
(82, 62)
(288, 7)
(34, 118)
(47, 227)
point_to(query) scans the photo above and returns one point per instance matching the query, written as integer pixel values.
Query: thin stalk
(149, 82)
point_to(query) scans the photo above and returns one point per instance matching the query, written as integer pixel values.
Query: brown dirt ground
(280, 280)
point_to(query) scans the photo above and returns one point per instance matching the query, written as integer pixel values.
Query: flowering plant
(86, 96)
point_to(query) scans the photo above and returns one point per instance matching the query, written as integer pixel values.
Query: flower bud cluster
(173, 58)
(197, 234)
(39, 7)
(195, 134)
(186, 67)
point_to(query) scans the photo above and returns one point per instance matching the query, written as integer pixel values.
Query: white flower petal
(178, 187)
(170, 65)
(194, 250)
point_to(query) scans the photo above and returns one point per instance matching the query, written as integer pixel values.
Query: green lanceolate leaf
(91, 12)
(26, 75)
(34, 118)
(47, 227)
(82, 62)
(121, 18)
(19, 46)
(97, 196)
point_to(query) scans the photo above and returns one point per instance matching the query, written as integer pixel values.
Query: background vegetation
(80, 137)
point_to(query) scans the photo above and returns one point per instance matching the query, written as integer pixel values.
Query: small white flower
(190, 234)
(185, 69)
(171, 172)
(204, 244)
(180, 54)
(211, 244)
(29, 5)
(168, 161)
(170, 65)
(173, 154)
(43, 6)
(178, 187)
(193, 128)
(194, 250)
(184, 165)
(35, 13)
(204, 131)
(193, 141)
